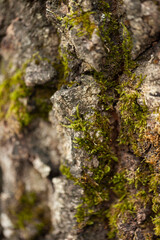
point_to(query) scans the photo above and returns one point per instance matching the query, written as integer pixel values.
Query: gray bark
(67, 54)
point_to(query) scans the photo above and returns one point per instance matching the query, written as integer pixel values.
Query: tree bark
(79, 119)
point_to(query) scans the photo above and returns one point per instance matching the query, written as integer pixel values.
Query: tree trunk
(79, 119)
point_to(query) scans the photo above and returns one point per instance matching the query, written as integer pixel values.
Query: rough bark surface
(76, 57)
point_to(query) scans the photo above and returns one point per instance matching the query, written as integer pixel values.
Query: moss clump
(82, 20)
(24, 215)
(147, 183)
(154, 186)
(65, 64)
(95, 189)
(127, 45)
(14, 93)
(63, 70)
(22, 103)
(156, 222)
(133, 115)
(98, 140)
(133, 119)
(109, 29)
(29, 212)
(66, 171)
(120, 210)
(62, 67)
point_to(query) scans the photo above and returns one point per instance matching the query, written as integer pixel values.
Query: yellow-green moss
(63, 69)
(29, 211)
(133, 119)
(119, 210)
(16, 97)
(95, 188)
(82, 20)
(13, 94)
(66, 171)
(156, 222)
(106, 183)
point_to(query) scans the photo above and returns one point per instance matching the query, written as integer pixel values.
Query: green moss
(13, 94)
(30, 212)
(82, 20)
(120, 210)
(95, 187)
(133, 115)
(25, 214)
(127, 45)
(17, 100)
(119, 184)
(154, 190)
(133, 119)
(65, 65)
(147, 183)
(97, 138)
(66, 171)
(63, 69)
(156, 222)
(41, 99)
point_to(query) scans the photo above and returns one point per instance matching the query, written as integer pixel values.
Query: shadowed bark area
(79, 120)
